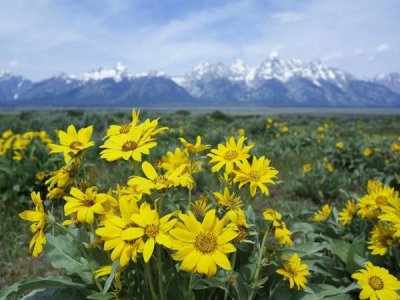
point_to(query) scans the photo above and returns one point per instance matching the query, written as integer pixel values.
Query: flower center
(125, 128)
(88, 202)
(254, 175)
(152, 230)
(376, 283)
(129, 146)
(75, 145)
(160, 179)
(230, 155)
(206, 243)
(381, 200)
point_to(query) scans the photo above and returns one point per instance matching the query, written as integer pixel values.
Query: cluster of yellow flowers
(19, 142)
(381, 206)
(130, 221)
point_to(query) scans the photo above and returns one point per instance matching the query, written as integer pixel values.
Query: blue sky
(42, 38)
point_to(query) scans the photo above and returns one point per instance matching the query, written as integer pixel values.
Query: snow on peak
(274, 55)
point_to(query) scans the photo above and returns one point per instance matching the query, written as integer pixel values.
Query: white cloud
(14, 63)
(358, 51)
(332, 56)
(288, 17)
(382, 48)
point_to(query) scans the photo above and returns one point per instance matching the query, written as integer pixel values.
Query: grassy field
(344, 151)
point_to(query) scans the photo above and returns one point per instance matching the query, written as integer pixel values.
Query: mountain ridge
(274, 82)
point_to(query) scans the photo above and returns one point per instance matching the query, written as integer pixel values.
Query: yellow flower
(124, 129)
(258, 174)
(154, 180)
(239, 223)
(307, 168)
(379, 196)
(196, 148)
(381, 239)
(340, 145)
(173, 160)
(229, 200)
(323, 214)
(367, 152)
(40, 175)
(282, 234)
(73, 141)
(391, 214)
(376, 283)
(126, 146)
(38, 216)
(203, 246)
(86, 205)
(122, 235)
(106, 270)
(155, 228)
(395, 147)
(329, 166)
(285, 129)
(229, 154)
(200, 207)
(294, 271)
(347, 213)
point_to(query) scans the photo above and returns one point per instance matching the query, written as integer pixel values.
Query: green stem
(233, 261)
(161, 292)
(190, 292)
(138, 281)
(258, 265)
(150, 280)
(84, 253)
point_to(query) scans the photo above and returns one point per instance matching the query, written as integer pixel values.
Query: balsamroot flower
(376, 283)
(294, 271)
(203, 246)
(38, 217)
(257, 175)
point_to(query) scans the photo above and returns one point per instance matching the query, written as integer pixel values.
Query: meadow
(307, 201)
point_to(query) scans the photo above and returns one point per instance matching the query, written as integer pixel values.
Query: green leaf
(63, 253)
(101, 296)
(110, 279)
(54, 293)
(340, 248)
(40, 283)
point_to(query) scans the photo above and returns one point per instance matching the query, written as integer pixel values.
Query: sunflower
(122, 235)
(239, 223)
(85, 205)
(381, 239)
(307, 168)
(203, 246)
(124, 129)
(376, 283)
(154, 180)
(73, 141)
(282, 234)
(38, 216)
(348, 212)
(155, 228)
(229, 154)
(229, 200)
(194, 148)
(173, 160)
(294, 271)
(258, 174)
(130, 145)
(323, 214)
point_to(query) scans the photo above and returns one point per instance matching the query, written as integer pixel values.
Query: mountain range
(273, 83)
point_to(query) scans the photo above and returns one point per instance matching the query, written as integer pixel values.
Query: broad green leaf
(40, 283)
(63, 253)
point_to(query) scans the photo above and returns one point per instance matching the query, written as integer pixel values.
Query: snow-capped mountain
(391, 81)
(11, 86)
(274, 82)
